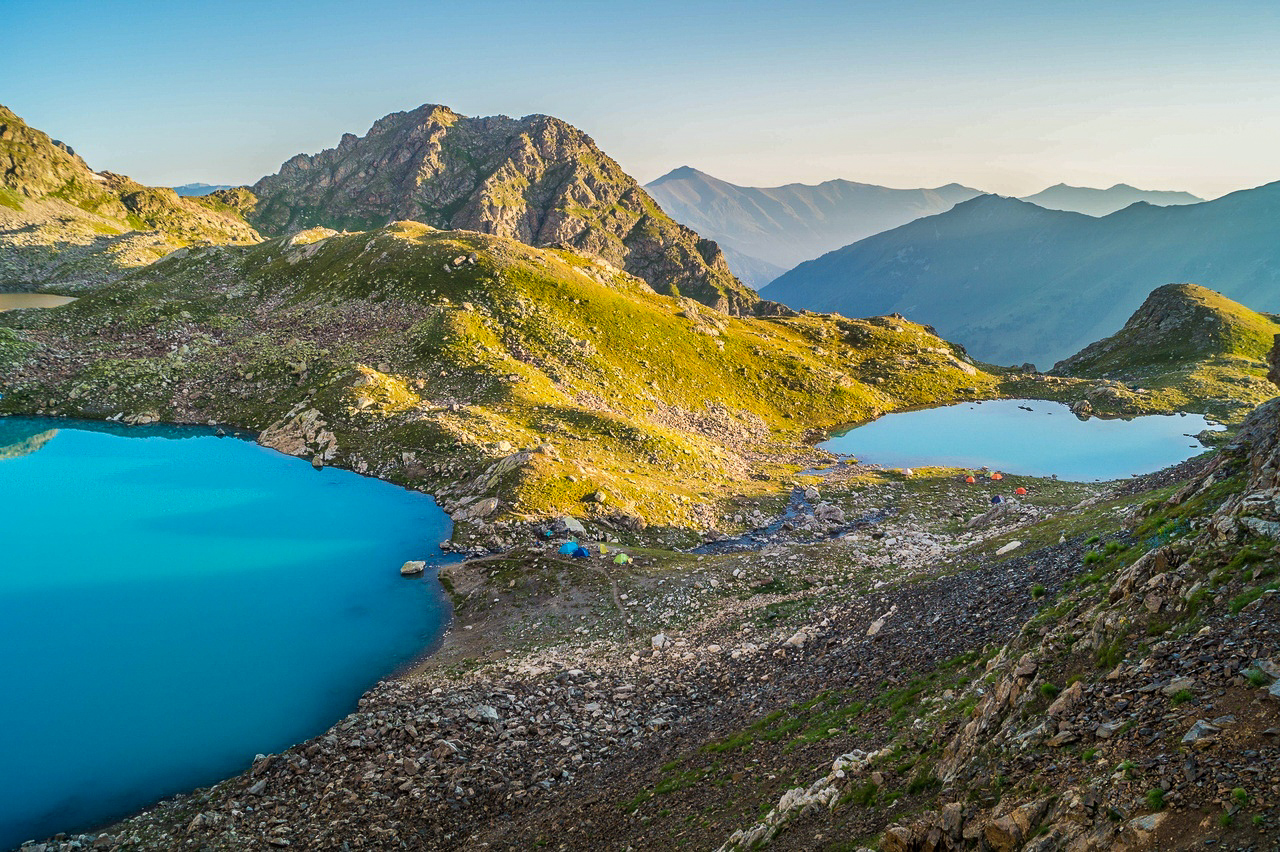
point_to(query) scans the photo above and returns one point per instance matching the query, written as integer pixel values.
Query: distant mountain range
(190, 189)
(1101, 202)
(1016, 282)
(778, 227)
(766, 230)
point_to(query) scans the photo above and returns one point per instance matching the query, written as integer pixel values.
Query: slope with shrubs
(475, 366)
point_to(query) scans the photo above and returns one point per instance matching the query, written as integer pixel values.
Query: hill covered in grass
(535, 179)
(61, 223)
(474, 366)
(1188, 345)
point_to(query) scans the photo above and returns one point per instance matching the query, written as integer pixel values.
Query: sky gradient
(996, 95)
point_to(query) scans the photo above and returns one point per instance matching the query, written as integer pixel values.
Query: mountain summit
(784, 225)
(535, 179)
(1101, 202)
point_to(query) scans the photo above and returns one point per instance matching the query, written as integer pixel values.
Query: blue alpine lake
(1047, 440)
(173, 603)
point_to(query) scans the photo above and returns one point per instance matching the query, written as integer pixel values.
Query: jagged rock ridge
(535, 179)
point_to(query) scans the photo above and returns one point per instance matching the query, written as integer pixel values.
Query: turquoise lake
(173, 603)
(1047, 440)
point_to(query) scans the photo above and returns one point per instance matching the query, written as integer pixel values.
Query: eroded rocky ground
(1089, 667)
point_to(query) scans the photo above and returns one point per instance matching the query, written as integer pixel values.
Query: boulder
(413, 568)
(829, 513)
(1009, 548)
(1066, 700)
(1200, 732)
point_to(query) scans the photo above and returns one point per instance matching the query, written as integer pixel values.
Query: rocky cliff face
(535, 179)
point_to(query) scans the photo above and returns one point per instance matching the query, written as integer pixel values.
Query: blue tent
(582, 553)
(569, 548)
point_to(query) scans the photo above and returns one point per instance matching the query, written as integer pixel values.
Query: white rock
(416, 566)
(1009, 548)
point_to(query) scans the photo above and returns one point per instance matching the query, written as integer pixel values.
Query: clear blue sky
(1005, 96)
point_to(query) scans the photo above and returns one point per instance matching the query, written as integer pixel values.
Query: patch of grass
(1226, 820)
(864, 795)
(1155, 799)
(1049, 691)
(1093, 539)
(1257, 677)
(1093, 557)
(1037, 591)
(1182, 696)
(10, 199)
(923, 782)
(1109, 655)
(1239, 602)
(1240, 796)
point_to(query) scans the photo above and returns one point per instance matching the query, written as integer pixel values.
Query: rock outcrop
(535, 179)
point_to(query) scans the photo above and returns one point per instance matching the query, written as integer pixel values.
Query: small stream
(797, 508)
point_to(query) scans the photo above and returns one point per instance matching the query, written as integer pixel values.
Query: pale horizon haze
(998, 96)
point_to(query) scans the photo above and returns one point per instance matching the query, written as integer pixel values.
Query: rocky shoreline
(570, 698)
(509, 713)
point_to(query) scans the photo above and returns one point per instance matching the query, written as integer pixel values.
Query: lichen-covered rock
(301, 432)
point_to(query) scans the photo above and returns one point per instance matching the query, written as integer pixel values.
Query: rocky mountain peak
(536, 179)
(31, 162)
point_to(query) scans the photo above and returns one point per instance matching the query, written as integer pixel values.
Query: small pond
(18, 301)
(1046, 440)
(173, 603)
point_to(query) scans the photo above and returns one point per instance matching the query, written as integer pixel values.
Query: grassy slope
(422, 372)
(1191, 347)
